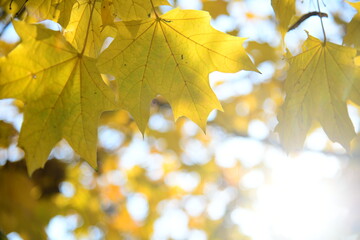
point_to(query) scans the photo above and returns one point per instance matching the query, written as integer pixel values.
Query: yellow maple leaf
(63, 93)
(129, 10)
(42, 9)
(317, 87)
(352, 36)
(215, 8)
(106, 13)
(355, 91)
(63, 11)
(171, 56)
(284, 11)
(85, 24)
(57, 10)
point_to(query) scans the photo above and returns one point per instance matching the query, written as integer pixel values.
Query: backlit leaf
(42, 9)
(64, 8)
(215, 8)
(284, 11)
(106, 13)
(63, 92)
(136, 9)
(171, 56)
(57, 10)
(85, 27)
(352, 36)
(317, 87)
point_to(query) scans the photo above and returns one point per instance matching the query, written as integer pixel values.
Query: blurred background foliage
(234, 182)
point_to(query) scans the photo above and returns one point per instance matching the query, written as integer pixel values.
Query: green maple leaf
(318, 84)
(63, 93)
(171, 56)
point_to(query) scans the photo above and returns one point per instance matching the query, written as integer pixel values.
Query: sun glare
(299, 201)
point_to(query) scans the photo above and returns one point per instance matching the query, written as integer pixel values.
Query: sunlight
(176, 179)
(299, 201)
(299, 211)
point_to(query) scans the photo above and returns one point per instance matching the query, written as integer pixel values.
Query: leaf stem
(88, 27)
(322, 24)
(153, 7)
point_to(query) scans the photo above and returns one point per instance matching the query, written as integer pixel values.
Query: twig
(306, 16)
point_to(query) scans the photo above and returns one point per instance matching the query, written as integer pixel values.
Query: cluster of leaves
(169, 55)
(66, 79)
(321, 79)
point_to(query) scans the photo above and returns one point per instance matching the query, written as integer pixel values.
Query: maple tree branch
(306, 16)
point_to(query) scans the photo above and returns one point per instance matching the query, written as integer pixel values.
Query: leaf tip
(32, 166)
(142, 128)
(92, 163)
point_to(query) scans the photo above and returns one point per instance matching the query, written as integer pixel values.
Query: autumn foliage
(118, 63)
